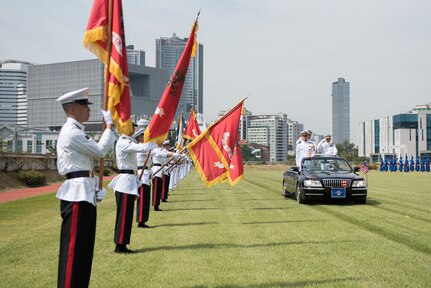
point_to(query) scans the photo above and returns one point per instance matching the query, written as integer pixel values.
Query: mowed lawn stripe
(243, 236)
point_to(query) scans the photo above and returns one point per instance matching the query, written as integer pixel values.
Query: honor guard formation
(141, 166)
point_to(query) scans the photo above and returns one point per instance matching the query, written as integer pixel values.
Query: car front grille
(336, 183)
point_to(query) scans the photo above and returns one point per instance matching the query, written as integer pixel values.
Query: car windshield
(327, 165)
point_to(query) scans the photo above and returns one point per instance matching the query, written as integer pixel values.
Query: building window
(30, 146)
(19, 146)
(38, 146)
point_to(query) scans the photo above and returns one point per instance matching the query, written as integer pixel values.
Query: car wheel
(299, 197)
(361, 201)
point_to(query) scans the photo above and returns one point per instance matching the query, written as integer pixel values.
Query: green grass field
(245, 236)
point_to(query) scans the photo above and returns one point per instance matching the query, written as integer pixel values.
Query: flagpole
(106, 83)
(145, 164)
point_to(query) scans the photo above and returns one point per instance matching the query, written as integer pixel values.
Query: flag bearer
(144, 188)
(166, 177)
(79, 193)
(157, 172)
(125, 186)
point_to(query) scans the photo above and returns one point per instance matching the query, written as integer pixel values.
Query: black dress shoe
(157, 209)
(143, 225)
(122, 248)
(164, 200)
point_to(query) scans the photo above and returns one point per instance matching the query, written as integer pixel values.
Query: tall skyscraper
(168, 52)
(13, 92)
(340, 111)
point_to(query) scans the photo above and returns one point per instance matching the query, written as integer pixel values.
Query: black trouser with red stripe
(143, 204)
(78, 231)
(165, 188)
(157, 190)
(124, 218)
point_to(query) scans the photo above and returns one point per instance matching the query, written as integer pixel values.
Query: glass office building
(168, 52)
(13, 92)
(340, 111)
(398, 135)
(49, 81)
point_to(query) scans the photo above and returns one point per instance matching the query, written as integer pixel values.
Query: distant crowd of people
(305, 147)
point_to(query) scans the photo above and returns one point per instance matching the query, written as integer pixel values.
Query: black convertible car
(324, 178)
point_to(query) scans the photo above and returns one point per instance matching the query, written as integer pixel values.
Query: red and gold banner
(221, 140)
(96, 40)
(192, 130)
(236, 169)
(161, 121)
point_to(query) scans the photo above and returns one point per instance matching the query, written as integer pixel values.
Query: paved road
(30, 192)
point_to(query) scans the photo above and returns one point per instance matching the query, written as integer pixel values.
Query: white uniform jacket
(158, 160)
(326, 148)
(74, 152)
(126, 150)
(303, 150)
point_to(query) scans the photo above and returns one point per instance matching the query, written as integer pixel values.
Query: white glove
(177, 156)
(152, 145)
(100, 195)
(107, 115)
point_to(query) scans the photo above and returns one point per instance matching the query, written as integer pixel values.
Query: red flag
(165, 112)
(192, 130)
(96, 40)
(213, 150)
(236, 169)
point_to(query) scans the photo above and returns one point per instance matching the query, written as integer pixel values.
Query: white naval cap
(138, 133)
(304, 132)
(166, 142)
(78, 96)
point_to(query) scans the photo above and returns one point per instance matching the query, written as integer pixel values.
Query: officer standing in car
(326, 147)
(305, 148)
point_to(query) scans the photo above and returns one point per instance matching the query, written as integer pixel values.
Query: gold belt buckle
(136, 172)
(91, 174)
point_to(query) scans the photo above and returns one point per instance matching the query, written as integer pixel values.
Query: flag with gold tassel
(214, 149)
(105, 38)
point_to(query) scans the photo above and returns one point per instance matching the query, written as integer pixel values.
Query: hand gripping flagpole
(169, 161)
(145, 164)
(106, 84)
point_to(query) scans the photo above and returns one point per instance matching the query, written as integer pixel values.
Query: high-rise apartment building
(168, 52)
(340, 111)
(49, 81)
(13, 92)
(271, 131)
(294, 129)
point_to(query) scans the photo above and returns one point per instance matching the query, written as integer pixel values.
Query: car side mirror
(356, 169)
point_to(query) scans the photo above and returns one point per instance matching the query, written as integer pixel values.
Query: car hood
(329, 175)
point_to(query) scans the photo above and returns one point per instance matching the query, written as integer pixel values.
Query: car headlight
(359, 184)
(312, 183)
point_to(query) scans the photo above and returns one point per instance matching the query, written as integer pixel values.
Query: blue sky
(286, 53)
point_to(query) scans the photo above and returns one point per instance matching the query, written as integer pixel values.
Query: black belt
(141, 167)
(125, 171)
(157, 164)
(77, 174)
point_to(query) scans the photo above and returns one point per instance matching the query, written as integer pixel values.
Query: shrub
(32, 177)
(106, 171)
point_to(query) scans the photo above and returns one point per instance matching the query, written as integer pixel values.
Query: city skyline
(285, 54)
